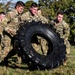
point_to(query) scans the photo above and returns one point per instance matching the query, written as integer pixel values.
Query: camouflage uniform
(11, 21)
(29, 17)
(1, 35)
(64, 30)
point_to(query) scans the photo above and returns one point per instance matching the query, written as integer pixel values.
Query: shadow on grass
(12, 63)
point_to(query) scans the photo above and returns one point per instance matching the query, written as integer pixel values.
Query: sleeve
(6, 19)
(1, 29)
(43, 19)
(5, 22)
(66, 31)
(24, 16)
(52, 24)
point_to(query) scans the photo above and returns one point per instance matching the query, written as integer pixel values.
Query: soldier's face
(2, 16)
(59, 18)
(34, 10)
(20, 9)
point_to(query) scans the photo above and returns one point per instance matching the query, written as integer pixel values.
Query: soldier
(63, 29)
(32, 14)
(10, 25)
(35, 14)
(2, 15)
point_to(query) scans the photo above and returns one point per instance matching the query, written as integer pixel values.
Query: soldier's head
(2, 15)
(20, 7)
(59, 16)
(34, 8)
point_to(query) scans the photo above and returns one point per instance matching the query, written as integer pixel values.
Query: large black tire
(57, 55)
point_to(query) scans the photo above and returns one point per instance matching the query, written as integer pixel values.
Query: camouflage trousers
(1, 35)
(7, 49)
(67, 46)
(5, 46)
(42, 46)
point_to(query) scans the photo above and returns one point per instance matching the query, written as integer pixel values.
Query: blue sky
(17, 0)
(24, 0)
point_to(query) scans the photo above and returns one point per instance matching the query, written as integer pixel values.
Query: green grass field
(22, 69)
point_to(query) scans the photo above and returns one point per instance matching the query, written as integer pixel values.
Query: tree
(5, 6)
(1, 7)
(27, 4)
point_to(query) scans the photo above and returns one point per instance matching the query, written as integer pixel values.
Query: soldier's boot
(65, 62)
(5, 62)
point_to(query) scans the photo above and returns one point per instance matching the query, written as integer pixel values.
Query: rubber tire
(52, 60)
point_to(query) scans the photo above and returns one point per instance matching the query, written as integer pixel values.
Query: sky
(24, 0)
(17, 0)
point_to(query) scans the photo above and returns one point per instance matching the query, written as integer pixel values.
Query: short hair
(34, 5)
(2, 13)
(19, 3)
(60, 12)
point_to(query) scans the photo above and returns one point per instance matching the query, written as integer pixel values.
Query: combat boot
(4, 62)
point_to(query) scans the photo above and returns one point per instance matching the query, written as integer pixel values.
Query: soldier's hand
(11, 32)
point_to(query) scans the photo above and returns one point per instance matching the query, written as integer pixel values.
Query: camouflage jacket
(1, 29)
(11, 21)
(29, 17)
(62, 28)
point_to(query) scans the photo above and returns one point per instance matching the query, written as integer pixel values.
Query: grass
(69, 69)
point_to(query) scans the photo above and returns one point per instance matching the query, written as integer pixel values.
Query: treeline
(49, 9)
